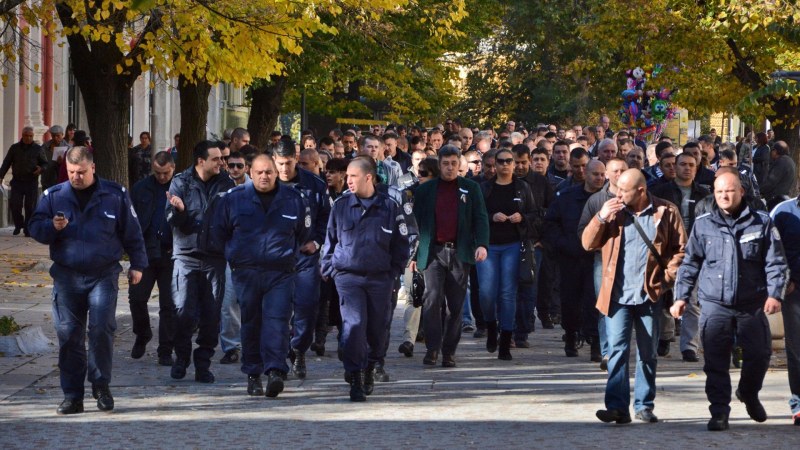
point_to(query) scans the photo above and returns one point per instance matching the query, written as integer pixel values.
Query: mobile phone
(60, 214)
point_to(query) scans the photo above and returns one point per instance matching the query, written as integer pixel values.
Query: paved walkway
(539, 400)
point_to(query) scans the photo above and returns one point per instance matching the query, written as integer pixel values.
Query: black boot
(596, 355)
(357, 393)
(505, 346)
(318, 346)
(299, 364)
(369, 379)
(491, 336)
(571, 344)
(274, 383)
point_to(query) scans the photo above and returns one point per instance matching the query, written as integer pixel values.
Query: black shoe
(204, 376)
(139, 346)
(430, 358)
(70, 406)
(480, 333)
(596, 355)
(179, 369)
(646, 415)
(318, 348)
(406, 348)
(299, 364)
(448, 361)
(547, 324)
(254, 386)
(231, 357)
(663, 347)
(380, 373)
(16, 233)
(165, 360)
(718, 422)
(604, 364)
(369, 379)
(570, 345)
(357, 393)
(26, 232)
(491, 337)
(105, 402)
(556, 319)
(613, 415)
(504, 352)
(689, 356)
(274, 383)
(754, 407)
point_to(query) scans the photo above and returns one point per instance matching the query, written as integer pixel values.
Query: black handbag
(666, 298)
(417, 288)
(527, 263)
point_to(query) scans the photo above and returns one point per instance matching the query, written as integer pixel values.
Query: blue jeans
(498, 275)
(230, 321)
(619, 325)
(74, 296)
(598, 281)
(791, 326)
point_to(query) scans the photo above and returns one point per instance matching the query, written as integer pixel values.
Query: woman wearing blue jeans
(510, 207)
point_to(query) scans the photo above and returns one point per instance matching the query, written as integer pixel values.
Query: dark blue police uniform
(307, 278)
(149, 200)
(737, 263)
(261, 248)
(85, 273)
(365, 250)
(198, 280)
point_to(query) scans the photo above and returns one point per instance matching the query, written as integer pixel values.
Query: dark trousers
(24, 194)
(364, 302)
(475, 298)
(445, 291)
(719, 325)
(158, 271)
(577, 296)
(305, 304)
(265, 300)
(74, 296)
(390, 316)
(548, 301)
(197, 289)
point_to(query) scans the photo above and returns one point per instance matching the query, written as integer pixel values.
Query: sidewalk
(541, 399)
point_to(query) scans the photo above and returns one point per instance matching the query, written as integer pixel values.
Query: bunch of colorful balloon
(646, 110)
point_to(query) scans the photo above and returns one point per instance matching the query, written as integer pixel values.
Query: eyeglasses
(236, 165)
(504, 161)
(423, 173)
(475, 161)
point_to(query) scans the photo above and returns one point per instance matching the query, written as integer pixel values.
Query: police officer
(198, 280)
(736, 256)
(149, 200)
(87, 223)
(366, 248)
(307, 281)
(262, 224)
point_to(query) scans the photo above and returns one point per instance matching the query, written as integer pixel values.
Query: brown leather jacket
(670, 241)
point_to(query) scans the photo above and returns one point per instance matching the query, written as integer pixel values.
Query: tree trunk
(194, 116)
(265, 107)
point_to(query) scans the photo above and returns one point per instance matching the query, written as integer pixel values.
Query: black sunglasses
(423, 173)
(236, 165)
(476, 161)
(504, 161)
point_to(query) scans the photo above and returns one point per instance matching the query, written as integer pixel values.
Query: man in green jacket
(453, 236)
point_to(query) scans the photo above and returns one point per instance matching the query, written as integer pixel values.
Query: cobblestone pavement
(539, 400)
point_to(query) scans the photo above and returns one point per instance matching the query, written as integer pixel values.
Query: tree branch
(742, 70)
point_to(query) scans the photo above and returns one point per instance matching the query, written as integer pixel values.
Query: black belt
(450, 245)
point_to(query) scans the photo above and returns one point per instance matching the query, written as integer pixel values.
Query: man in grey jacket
(782, 176)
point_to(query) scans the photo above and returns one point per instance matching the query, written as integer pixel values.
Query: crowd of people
(266, 251)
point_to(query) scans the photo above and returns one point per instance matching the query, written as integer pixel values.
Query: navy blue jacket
(196, 195)
(561, 222)
(255, 238)
(316, 197)
(93, 241)
(149, 202)
(787, 220)
(739, 265)
(365, 241)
